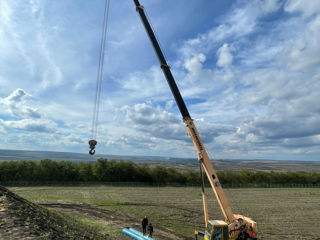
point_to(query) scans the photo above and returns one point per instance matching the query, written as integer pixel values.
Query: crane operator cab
(216, 230)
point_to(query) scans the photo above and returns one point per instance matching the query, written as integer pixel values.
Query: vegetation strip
(104, 170)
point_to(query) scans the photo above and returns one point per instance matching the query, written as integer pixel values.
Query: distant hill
(20, 155)
(179, 163)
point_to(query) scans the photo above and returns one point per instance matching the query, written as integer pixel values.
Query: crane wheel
(245, 236)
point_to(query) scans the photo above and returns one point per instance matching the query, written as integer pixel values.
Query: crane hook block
(92, 145)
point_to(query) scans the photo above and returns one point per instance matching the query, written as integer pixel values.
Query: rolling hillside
(179, 163)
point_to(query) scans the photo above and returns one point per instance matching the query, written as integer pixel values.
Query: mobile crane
(234, 227)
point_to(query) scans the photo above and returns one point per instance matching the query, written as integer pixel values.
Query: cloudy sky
(249, 72)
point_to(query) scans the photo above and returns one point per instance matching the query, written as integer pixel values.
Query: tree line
(104, 170)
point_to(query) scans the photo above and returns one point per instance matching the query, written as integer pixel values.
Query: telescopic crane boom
(235, 226)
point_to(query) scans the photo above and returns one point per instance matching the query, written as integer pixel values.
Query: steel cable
(100, 71)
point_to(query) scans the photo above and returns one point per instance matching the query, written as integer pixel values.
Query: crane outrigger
(235, 226)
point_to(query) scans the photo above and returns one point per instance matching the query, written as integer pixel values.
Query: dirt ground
(21, 219)
(12, 227)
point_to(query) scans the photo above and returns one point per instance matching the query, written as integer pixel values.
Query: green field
(281, 213)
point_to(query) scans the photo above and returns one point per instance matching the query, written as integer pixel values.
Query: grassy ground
(280, 213)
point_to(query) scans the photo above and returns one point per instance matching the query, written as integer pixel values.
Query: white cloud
(35, 6)
(194, 64)
(11, 37)
(270, 6)
(272, 127)
(150, 83)
(304, 51)
(196, 72)
(15, 104)
(307, 8)
(32, 125)
(202, 79)
(155, 122)
(5, 12)
(271, 94)
(66, 140)
(239, 22)
(224, 56)
(25, 50)
(145, 114)
(16, 96)
(51, 71)
(30, 119)
(159, 123)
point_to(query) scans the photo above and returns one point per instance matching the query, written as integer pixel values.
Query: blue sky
(248, 71)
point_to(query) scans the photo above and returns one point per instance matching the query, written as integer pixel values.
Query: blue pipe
(132, 234)
(141, 234)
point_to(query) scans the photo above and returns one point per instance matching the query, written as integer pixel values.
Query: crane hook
(92, 152)
(92, 145)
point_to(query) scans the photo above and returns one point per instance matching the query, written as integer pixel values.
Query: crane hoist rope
(93, 142)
